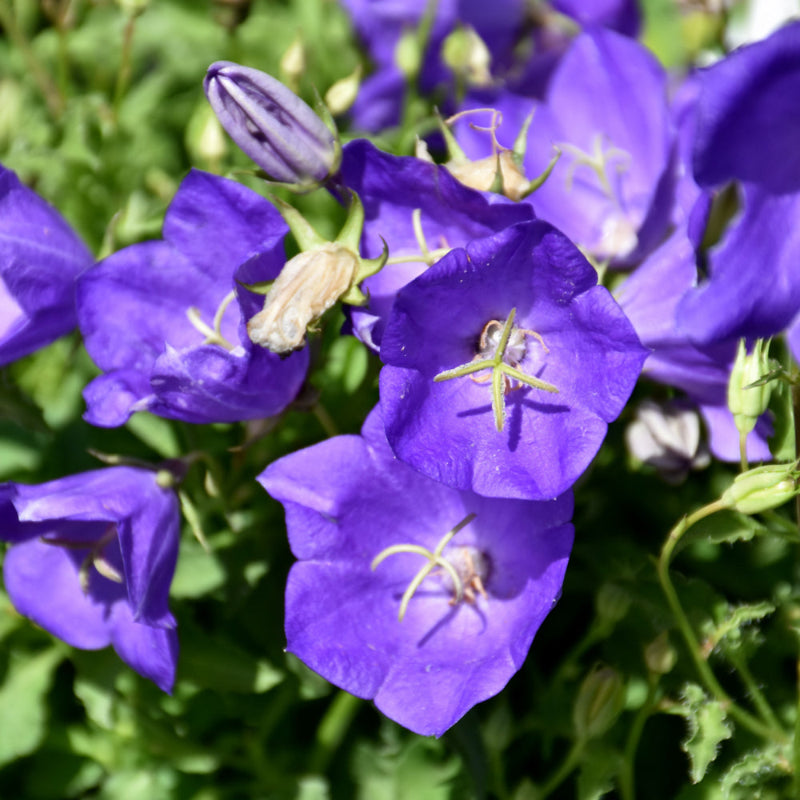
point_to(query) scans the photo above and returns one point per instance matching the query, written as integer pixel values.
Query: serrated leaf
(732, 621)
(708, 727)
(724, 526)
(23, 709)
(753, 770)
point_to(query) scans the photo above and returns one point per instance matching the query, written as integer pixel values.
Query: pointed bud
(468, 56)
(762, 488)
(293, 63)
(342, 94)
(612, 604)
(660, 655)
(747, 402)
(308, 285)
(599, 703)
(271, 124)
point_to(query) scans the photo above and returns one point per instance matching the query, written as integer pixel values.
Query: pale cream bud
(482, 174)
(342, 94)
(308, 285)
(468, 56)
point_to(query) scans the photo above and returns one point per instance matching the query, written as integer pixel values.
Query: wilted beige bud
(482, 174)
(308, 285)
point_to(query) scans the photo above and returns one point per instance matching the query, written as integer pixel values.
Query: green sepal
(521, 142)
(354, 297)
(372, 266)
(497, 182)
(538, 181)
(305, 235)
(454, 151)
(350, 234)
(708, 727)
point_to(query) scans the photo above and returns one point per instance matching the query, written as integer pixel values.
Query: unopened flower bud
(342, 94)
(599, 703)
(468, 56)
(762, 488)
(308, 285)
(660, 655)
(408, 54)
(293, 63)
(747, 402)
(496, 172)
(271, 124)
(612, 604)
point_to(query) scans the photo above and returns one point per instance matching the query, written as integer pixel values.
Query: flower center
(501, 349)
(465, 568)
(618, 234)
(213, 332)
(94, 558)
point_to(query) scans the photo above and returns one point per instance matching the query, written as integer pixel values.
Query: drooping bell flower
(166, 320)
(747, 128)
(651, 297)
(91, 561)
(419, 212)
(40, 258)
(420, 597)
(272, 124)
(505, 362)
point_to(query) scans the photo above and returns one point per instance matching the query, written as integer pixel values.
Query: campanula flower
(505, 362)
(40, 257)
(419, 211)
(423, 598)
(91, 560)
(166, 320)
(747, 129)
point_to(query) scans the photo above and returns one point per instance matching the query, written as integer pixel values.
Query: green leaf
(724, 527)
(23, 707)
(747, 776)
(708, 726)
(404, 768)
(600, 764)
(198, 573)
(732, 620)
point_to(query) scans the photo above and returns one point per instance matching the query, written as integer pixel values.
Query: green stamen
(434, 559)
(501, 373)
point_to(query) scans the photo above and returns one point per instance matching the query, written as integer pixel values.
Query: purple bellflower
(651, 297)
(40, 257)
(505, 362)
(420, 597)
(271, 124)
(606, 112)
(747, 129)
(166, 320)
(419, 211)
(91, 560)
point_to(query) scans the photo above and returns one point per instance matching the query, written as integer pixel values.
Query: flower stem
(332, 729)
(626, 776)
(562, 773)
(744, 718)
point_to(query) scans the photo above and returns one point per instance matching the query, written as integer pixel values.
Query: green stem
(626, 776)
(743, 451)
(563, 772)
(124, 73)
(48, 87)
(796, 743)
(744, 718)
(325, 419)
(332, 729)
(753, 689)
